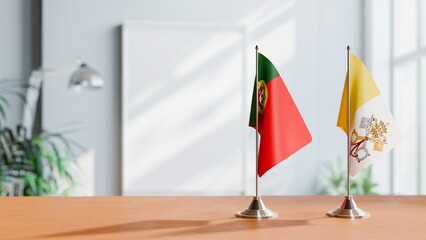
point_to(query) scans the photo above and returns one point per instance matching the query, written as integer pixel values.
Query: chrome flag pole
(257, 208)
(348, 209)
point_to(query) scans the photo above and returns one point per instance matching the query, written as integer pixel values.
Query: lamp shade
(86, 77)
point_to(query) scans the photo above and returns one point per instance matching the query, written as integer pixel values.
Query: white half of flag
(373, 134)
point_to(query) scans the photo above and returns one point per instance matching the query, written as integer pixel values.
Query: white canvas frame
(124, 101)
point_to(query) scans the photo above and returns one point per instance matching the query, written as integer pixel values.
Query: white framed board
(183, 111)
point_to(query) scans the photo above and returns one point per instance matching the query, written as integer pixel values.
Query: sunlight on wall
(405, 111)
(265, 13)
(405, 27)
(197, 57)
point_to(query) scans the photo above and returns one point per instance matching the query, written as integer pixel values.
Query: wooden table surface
(300, 217)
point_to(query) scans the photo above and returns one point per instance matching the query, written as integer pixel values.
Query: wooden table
(392, 217)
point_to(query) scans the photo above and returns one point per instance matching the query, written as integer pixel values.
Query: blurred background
(172, 115)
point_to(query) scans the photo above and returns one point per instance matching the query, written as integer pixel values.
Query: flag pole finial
(349, 48)
(257, 47)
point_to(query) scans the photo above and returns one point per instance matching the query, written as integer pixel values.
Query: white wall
(305, 39)
(15, 47)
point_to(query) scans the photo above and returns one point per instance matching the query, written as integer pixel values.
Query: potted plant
(40, 164)
(334, 180)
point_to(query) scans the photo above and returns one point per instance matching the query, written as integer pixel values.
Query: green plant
(36, 165)
(334, 181)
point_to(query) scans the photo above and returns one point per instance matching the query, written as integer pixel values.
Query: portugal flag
(281, 127)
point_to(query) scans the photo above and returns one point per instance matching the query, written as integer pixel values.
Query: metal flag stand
(257, 208)
(348, 209)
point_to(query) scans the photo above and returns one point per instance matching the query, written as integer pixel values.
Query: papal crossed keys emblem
(375, 132)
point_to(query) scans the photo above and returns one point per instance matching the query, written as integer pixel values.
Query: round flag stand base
(348, 209)
(257, 210)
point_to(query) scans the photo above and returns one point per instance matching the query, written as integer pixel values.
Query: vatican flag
(372, 128)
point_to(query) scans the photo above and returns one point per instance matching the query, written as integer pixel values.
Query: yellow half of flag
(362, 87)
